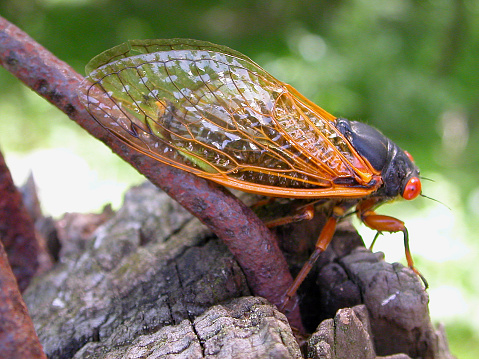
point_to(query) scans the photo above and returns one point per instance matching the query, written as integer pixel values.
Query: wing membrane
(212, 111)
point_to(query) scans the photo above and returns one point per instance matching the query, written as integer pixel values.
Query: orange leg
(263, 202)
(306, 213)
(322, 243)
(383, 223)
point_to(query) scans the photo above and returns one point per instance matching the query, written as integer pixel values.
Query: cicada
(212, 111)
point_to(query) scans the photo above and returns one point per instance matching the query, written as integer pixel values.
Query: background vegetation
(408, 67)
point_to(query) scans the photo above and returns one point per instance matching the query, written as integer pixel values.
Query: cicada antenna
(433, 199)
(436, 200)
(427, 179)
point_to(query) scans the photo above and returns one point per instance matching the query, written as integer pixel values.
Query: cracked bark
(180, 293)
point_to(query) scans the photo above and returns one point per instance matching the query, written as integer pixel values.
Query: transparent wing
(212, 111)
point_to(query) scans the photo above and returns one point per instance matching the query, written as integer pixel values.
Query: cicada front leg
(382, 223)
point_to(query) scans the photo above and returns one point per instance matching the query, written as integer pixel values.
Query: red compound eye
(412, 189)
(409, 156)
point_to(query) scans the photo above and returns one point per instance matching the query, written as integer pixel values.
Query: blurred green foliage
(408, 67)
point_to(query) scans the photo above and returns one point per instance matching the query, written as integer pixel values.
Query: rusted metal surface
(18, 339)
(249, 240)
(17, 232)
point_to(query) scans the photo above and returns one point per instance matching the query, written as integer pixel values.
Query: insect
(212, 111)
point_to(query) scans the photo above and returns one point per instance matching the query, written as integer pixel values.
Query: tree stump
(153, 282)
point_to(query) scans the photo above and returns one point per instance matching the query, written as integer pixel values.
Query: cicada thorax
(399, 174)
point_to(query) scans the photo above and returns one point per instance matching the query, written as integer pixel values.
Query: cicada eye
(412, 189)
(409, 156)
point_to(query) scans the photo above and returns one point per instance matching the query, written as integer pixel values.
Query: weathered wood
(18, 339)
(348, 335)
(243, 328)
(152, 282)
(394, 296)
(150, 266)
(17, 231)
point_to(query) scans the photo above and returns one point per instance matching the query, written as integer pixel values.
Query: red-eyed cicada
(212, 111)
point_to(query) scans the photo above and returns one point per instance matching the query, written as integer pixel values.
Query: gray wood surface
(152, 282)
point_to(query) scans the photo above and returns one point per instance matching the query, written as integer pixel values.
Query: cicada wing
(137, 47)
(214, 112)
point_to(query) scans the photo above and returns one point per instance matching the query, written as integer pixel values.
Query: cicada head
(399, 173)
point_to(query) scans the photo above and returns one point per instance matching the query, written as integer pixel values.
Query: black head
(400, 174)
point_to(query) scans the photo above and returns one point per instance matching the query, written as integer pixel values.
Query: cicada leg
(322, 243)
(382, 223)
(263, 202)
(305, 213)
(378, 233)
